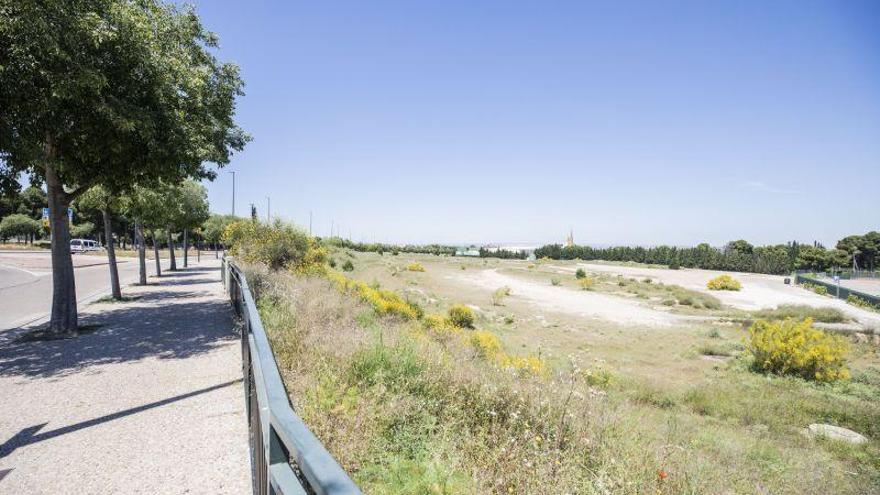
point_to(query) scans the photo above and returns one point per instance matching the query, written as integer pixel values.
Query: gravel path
(149, 402)
(577, 302)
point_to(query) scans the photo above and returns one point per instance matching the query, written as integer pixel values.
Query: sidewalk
(149, 402)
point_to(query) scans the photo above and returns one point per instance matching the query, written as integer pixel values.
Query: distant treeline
(377, 247)
(736, 255)
(503, 254)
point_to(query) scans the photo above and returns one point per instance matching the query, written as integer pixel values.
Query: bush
(487, 344)
(499, 295)
(384, 302)
(415, 267)
(862, 303)
(800, 312)
(348, 266)
(278, 245)
(724, 282)
(461, 316)
(792, 347)
(580, 273)
(16, 225)
(818, 289)
(555, 281)
(587, 283)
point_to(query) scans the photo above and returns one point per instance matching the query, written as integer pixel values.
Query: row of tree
(858, 251)
(119, 98)
(375, 247)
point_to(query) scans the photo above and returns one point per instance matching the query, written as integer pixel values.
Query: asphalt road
(26, 283)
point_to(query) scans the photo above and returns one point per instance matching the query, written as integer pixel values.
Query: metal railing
(286, 458)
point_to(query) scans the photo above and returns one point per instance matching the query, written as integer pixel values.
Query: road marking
(35, 274)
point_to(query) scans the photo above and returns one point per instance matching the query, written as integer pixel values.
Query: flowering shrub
(796, 348)
(587, 283)
(384, 302)
(487, 344)
(415, 267)
(724, 282)
(461, 316)
(278, 245)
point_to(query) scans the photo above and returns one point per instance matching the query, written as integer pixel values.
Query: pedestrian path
(148, 400)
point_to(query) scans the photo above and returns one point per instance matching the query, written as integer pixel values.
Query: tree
(212, 229)
(147, 207)
(98, 197)
(190, 211)
(19, 225)
(112, 93)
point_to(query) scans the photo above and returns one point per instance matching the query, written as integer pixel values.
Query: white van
(83, 245)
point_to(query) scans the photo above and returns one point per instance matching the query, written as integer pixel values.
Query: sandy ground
(758, 290)
(575, 302)
(150, 402)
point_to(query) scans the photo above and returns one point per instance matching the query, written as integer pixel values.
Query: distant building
(467, 251)
(569, 241)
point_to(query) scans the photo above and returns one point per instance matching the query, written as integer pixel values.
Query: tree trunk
(111, 255)
(185, 248)
(142, 252)
(63, 319)
(156, 254)
(171, 251)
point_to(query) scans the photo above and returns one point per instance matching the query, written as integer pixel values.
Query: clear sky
(513, 122)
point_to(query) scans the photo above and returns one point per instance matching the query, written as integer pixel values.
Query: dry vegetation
(424, 405)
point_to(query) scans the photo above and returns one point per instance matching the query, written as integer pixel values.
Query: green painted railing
(286, 458)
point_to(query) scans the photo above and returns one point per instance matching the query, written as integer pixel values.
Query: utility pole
(233, 191)
(331, 228)
(269, 208)
(310, 222)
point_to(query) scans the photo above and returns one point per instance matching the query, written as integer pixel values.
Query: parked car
(83, 246)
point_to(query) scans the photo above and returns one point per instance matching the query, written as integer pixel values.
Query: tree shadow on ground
(164, 324)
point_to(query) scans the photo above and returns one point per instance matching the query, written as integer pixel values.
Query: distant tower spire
(569, 242)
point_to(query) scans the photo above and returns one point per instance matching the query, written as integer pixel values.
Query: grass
(668, 294)
(110, 299)
(406, 412)
(801, 312)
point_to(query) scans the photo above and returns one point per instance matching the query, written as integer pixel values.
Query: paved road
(151, 402)
(26, 283)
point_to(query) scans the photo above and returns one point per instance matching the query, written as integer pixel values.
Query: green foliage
(461, 316)
(802, 312)
(279, 245)
(436, 249)
(19, 225)
(555, 281)
(85, 229)
(818, 289)
(723, 282)
(213, 227)
(348, 266)
(580, 273)
(862, 303)
(796, 348)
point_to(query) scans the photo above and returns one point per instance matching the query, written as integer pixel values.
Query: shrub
(531, 266)
(555, 281)
(384, 302)
(461, 316)
(669, 302)
(674, 265)
(796, 348)
(487, 344)
(587, 283)
(415, 267)
(348, 266)
(332, 262)
(278, 245)
(499, 295)
(580, 273)
(860, 302)
(800, 312)
(818, 289)
(724, 282)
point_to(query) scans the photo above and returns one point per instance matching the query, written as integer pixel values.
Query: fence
(286, 458)
(836, 290)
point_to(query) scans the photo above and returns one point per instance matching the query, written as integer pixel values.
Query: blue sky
(628, 122)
